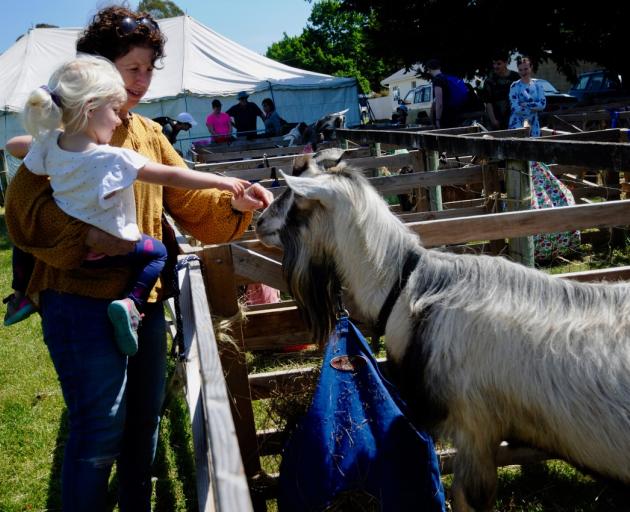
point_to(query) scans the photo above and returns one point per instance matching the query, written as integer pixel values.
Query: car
(418, 102)
(598, 86)
(556, 100)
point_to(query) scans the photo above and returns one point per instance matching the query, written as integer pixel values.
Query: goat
(322, 130)
(481, 348)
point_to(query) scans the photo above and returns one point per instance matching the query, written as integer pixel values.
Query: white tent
(199, 65)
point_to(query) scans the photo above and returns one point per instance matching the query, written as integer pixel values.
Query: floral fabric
(547, 192)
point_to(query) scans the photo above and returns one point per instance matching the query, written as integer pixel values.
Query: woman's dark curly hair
(103, 36)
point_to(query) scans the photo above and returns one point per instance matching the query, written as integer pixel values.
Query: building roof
(402, 74)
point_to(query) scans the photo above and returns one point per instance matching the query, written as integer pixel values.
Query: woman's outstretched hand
(235, 185)
(254, 198)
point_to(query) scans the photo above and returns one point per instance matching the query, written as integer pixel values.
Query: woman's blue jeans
(113, 402)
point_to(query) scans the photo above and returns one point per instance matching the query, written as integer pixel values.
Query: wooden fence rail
(221, 482)
(257, 161)
(568, 151)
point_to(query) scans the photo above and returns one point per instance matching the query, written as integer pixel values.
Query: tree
(159, 9)
(334, 42)
(464, 33)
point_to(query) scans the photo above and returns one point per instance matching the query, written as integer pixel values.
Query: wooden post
(492, 192)
(611, 180)
(418, 162)
(435, 193)
(624, 135)
(519, 190)
(223, 299)
(221, 482)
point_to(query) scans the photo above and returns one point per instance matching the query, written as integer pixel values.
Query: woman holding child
(113, 401)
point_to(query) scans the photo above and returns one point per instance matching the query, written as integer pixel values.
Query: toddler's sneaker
(125, 319)
(19, 307)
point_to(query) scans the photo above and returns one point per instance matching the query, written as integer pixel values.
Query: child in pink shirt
(219, 123)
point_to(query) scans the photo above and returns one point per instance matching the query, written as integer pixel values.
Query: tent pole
(181, 146)
(271, 92)
(4, 114)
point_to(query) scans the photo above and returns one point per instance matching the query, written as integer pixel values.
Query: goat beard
(316, 288)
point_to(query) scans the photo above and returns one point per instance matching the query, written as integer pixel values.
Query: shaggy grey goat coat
(482, 349)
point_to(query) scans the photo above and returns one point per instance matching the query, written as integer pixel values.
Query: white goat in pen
(482, 349)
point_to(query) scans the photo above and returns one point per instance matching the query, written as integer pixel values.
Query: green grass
(594, 258)
(557, 486)
(32, 421)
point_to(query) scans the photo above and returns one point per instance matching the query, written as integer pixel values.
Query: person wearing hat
(171, 127)
(244, 114)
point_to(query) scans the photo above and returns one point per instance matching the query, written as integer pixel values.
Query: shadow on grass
(557, 486)
(53, 503)
(175, 448)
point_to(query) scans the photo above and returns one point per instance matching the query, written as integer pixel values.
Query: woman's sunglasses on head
(128, 25)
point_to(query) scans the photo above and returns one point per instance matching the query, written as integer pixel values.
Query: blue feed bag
(355, 449)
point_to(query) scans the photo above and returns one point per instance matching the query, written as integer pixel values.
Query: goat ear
(313, 189)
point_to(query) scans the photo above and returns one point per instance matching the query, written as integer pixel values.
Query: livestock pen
(228, 445)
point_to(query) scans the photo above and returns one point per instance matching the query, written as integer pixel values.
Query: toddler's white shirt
(82, 183)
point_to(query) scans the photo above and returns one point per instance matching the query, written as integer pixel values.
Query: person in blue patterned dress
(527, 98)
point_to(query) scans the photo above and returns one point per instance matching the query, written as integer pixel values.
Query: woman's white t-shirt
(93, 186)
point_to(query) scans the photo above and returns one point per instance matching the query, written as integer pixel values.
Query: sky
(255, 24)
